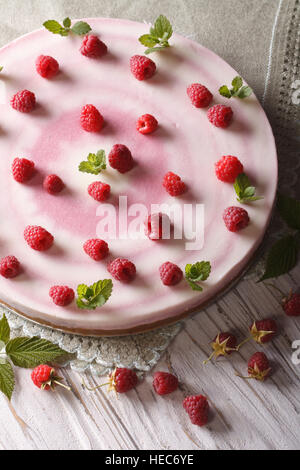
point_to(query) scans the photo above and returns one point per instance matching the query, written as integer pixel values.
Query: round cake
(185, 143)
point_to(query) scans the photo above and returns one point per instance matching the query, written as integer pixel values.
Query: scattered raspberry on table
(122, 270)
(228, 168)
(220, 115)
(291, 306)
(235, 218)
(164, 383)
(199, 95)
(9, 267)
(22, 169)
(23, 101)
(122, 380)
(47, 66)
(61, 295)
(197, 408)
(90, 119)
(45, 378)
(259, 366)
(263, 331)
(142, 67)
(92, 47)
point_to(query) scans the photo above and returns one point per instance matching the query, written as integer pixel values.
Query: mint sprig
(283, 254)
(159, 35)
(96, 295)
(197, 272)
(237, 90)
(79, 28)
(22, 352)
(95, 163)
(244, 190)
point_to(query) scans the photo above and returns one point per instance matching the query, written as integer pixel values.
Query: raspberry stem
(93, 389)
(57, 382)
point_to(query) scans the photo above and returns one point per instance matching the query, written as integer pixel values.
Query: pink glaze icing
(185, 143)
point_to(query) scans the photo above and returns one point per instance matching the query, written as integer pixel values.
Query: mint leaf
(7, 380)
(197, 272)
(244, 191)
(289, 209)
(96, 295)
(67, 22)
(81, 27)
(281, 258)
(224, 91)
(30, 352)
(159, 36)
(148, 40)
(237, 89)
(1, 68)
(4, 330)
(236, 83)
(244, 92)
(95, 163)
(54, 27)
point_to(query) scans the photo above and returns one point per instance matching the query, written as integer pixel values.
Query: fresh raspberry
(199, 95)
(197, 408)
(291, 306)
(262, 331)
(61, 295)
(220, 115)
(23, 101)
(38, 238)
(46, 66)
(92, 47)
(258, 366)
(173, 184)
(120, 158)
(44, 377)
(99, 191)
(122, 270)
(122, 380)
(142, 67)
(22, 169)
(228, 168)
(53, 184)
(155, 224)
(223, 345)
(164, 383)
(235, 218)
(9, 267)
(170, 274)
(97, 249)
(146, 124)
(91, 120)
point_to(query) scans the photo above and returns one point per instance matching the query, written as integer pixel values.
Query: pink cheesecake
(185, 143)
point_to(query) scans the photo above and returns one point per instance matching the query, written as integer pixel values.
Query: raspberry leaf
(197, 272)
(244, 191)
(80, 28)
(4, 330)
(96, 295)
(159, 36)
(30, 352)
(95, 163)
(281, 258)
(237, 90)
(289, 209)
(7, 380)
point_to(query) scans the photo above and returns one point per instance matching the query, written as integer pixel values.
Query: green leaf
(94, 164)
(162, 28)
(54, 27)
(7, 380)
(30, 352)
(236, 83)
(67, 22)
(148, 40)
(1, 68)
(4, 330)
(281, 258)
(244, 92)
(289, 209)
(96, 295)
(197, 272)
(155, 49)
(244, 191)
(194, 286)
(81, 27)
(224, 91)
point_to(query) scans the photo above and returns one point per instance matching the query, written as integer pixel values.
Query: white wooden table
(245, 414)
